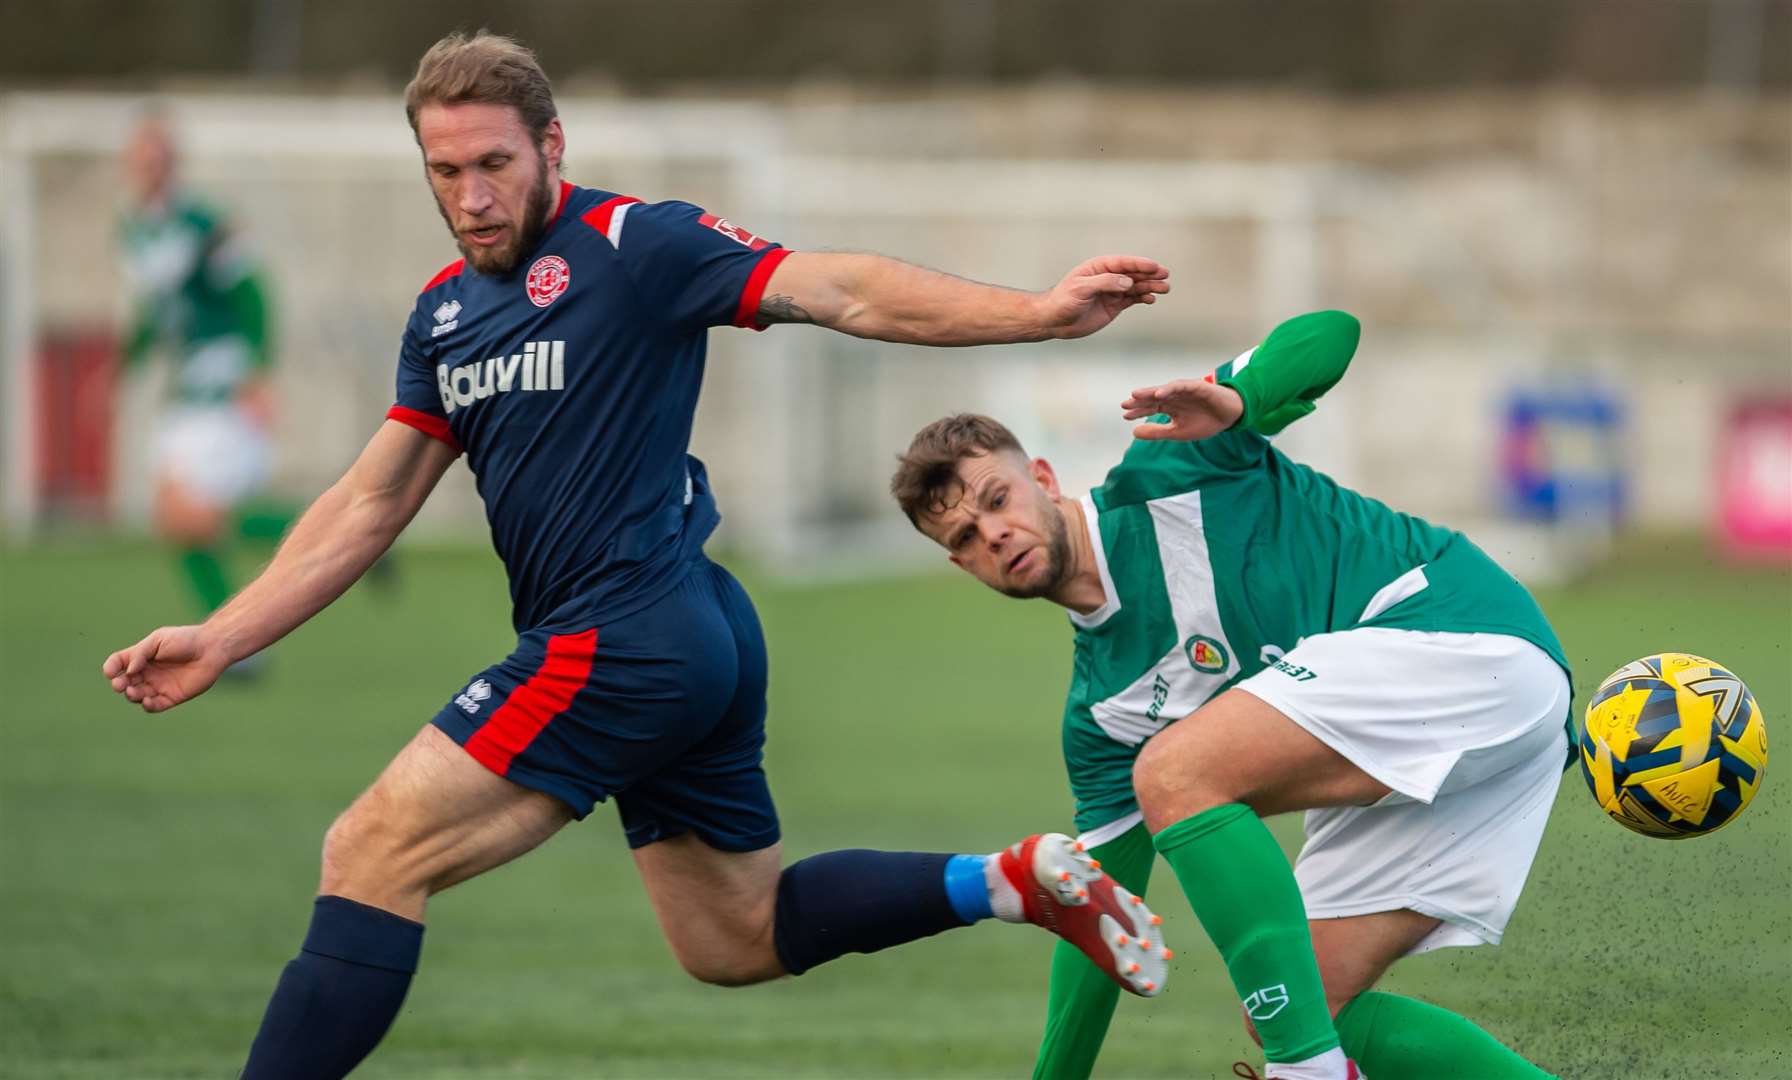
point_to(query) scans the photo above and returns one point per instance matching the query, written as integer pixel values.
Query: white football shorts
(214, 451)
(1467, 729)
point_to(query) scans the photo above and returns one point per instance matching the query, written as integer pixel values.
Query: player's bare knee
(741, 963)
(186, 521)
(364, 846)
(183, 527)
(735, 949)
(1172, 782)
(346, 846)
(724, 971)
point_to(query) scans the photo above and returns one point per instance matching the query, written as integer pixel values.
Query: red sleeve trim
(598, 217)
(453, 269)
(436, 427)
(747, 314)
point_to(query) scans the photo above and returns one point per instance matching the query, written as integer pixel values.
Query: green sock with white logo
(1244, 893)
(1398, 1038)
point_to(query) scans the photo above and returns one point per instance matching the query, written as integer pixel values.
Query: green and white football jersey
(195, 292)
(1218, 556)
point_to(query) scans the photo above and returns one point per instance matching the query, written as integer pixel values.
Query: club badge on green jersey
(1206, 654)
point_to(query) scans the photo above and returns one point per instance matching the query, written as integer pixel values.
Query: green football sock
(1082, 996)
(1244, 893)
(1398, 1038)
(266, 521)
(205, 575)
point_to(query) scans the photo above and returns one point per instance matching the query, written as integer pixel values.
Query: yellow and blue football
(1673, 745)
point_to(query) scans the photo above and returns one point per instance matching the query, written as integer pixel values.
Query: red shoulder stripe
(453, 269)
(598, 217)
(436, 427)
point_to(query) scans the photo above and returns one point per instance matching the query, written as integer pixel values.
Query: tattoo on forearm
(783, 309)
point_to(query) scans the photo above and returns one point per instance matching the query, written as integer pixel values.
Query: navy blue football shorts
(662, 709)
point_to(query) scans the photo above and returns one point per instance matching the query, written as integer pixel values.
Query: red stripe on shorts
(547, 694)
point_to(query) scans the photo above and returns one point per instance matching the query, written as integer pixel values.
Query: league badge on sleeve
(547, 279)
(734, 232)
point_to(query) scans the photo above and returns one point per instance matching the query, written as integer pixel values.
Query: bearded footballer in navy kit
(563, 355)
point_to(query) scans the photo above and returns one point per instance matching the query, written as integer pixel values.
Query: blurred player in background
(563, 355)
(199, 298)
(1253, 639)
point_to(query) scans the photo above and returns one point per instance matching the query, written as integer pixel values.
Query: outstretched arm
(871, 296)
(1273, 386)
(339, 537)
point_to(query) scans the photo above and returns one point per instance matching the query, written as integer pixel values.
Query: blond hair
(483, 68)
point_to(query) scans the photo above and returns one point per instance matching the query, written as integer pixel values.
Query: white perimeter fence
(799, 426)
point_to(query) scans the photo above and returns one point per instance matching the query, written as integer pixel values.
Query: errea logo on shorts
(477, 691)
(540, 366)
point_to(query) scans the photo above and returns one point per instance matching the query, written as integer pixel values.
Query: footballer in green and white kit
(1253, 638)
(200, 300)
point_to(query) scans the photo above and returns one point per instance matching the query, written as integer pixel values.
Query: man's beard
(1057, 551)
(523, 237)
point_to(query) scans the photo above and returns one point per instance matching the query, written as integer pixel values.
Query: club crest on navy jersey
(547, 279)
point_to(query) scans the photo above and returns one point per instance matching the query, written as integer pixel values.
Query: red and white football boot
(1064, 890)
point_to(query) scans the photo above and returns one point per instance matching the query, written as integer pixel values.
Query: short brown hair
(926, 477)
(483, 68)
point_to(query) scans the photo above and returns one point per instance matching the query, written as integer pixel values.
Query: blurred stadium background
(1566, 226)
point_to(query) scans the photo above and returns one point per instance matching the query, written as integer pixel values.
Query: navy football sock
(840, 902)
(336, 999)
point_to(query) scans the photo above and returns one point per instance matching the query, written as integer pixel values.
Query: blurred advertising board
(1562, 455)
(1754, 480)
(75, 376)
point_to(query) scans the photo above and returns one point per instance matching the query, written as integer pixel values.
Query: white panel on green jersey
(1201, 660)
(1231, 368)
(1404, 587)
(1112, 603)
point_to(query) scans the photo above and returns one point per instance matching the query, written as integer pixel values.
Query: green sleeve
(1278, 381)
(141, 336)
(1082, 998)
(1299, 361)
(141, 332)
(251, 304)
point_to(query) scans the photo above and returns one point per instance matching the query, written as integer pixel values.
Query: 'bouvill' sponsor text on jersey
(571, 384)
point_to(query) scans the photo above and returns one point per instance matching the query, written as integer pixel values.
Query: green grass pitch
(155, 872)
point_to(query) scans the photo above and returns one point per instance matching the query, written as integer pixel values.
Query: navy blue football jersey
(571, 384)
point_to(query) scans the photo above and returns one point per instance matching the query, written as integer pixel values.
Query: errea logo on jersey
(477, 691)
(446, 318)
(540, 366)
